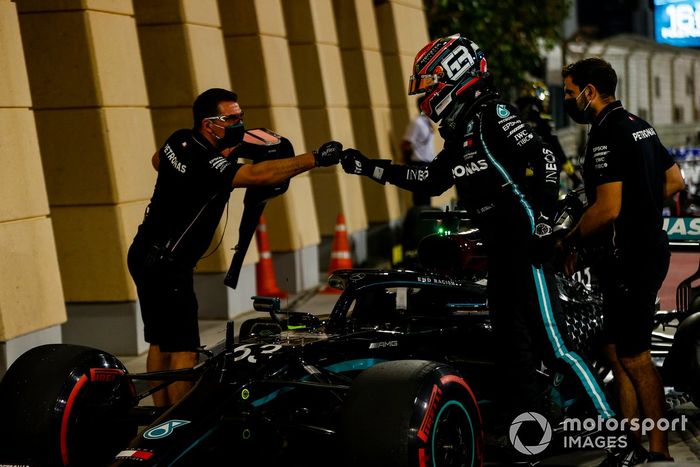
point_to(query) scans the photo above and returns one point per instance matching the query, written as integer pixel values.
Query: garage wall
(31, 297)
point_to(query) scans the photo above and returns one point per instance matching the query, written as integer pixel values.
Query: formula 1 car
(400, 373)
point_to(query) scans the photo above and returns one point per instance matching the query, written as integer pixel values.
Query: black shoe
(658, 457)
(628, 456)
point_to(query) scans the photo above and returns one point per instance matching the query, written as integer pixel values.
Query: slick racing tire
(65, 405)
(682, 364)
(411, 413)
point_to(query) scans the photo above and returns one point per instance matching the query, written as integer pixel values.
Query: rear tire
(411, 413)
(65, 404)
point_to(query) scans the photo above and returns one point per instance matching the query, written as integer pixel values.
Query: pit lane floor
(684, 446)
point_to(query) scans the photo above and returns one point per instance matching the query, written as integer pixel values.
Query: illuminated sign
(677, 22)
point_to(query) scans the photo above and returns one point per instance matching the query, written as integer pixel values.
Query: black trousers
(527, 315)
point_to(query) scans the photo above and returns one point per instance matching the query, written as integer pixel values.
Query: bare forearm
(674, 181)
(276, 171)
(594, 220)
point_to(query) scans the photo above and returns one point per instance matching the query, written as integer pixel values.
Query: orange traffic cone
(264, 269)
(340, 252)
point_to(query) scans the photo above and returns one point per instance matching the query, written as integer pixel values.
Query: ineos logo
(454, 63)
(543, 425)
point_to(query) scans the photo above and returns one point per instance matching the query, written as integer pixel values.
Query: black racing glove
(328, 154)
(354, 162)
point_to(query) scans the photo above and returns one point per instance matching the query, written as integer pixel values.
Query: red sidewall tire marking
(66, 416)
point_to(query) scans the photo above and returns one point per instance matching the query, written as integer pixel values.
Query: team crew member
(487, 150)
(193, 186)
(627, 174)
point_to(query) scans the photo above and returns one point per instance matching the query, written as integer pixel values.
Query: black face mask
(576, 114)
(233, 135)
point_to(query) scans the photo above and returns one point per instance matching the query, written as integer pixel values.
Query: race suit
(487, 156)
(631, 256)
(193, 186)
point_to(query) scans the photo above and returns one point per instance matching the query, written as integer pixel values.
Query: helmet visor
(422, 83)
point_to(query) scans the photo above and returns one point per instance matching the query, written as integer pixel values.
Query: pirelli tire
(411, 413)
(65, 405)
(682, 365)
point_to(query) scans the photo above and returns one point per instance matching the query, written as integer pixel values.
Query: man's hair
(595, 71)
(207, 103)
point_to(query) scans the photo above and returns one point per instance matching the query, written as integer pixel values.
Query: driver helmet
(447, 70)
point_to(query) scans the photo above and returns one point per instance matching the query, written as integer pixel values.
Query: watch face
(542, 229)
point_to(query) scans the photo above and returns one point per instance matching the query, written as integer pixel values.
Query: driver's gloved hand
(354, 162)
(328, 154)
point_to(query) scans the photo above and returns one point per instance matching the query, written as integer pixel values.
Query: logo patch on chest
(502, 111)
(469, 168)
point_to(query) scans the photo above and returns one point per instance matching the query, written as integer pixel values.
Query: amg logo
(641, 134)
(380, 345)
(469, 169)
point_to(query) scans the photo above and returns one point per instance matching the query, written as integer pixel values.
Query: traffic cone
(340, 252)
(264, 269)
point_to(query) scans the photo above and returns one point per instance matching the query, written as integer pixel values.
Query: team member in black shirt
(195, 179)
(627, 175)
(488, 148)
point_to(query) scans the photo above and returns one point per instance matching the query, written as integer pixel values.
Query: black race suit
(193, 186)
(487, 158)
(631, 257)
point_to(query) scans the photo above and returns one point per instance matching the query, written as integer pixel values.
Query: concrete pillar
(182, 45)
(367, 98)
(261, 70)
(96, 142)
(402, 33)
(31, 299)
(323, 104)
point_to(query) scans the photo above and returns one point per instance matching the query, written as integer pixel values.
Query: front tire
(411, 413)
(65, 404)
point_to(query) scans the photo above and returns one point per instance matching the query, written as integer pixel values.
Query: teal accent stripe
(353, 365)
(508, 180)
(437, 420)
(193, 445)
(560, 351)
(342, 367)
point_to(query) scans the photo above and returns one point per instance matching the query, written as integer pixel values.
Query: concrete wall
(31, 296)
(91, 88)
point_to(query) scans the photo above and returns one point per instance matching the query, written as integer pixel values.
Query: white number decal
(246, 351)
(583, 277)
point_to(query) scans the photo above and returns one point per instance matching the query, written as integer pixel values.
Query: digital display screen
(677, 22)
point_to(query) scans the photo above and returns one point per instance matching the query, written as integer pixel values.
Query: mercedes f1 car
(401, 373)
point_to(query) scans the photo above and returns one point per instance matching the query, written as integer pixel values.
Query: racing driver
(487, 149)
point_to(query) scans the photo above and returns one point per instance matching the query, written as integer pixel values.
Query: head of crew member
(195, 178)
